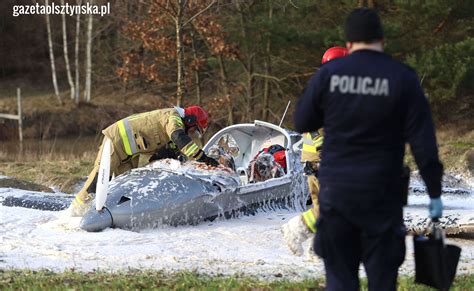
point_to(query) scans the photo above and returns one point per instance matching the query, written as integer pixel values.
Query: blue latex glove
(436, 208)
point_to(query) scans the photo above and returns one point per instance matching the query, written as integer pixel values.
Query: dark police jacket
(369, 105)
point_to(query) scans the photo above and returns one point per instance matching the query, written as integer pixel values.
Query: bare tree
(176, 10)
(180, 85)
(247, 58)
(66, 54)
(220, 54)
(268, 67)
(76, 52)
(197, 76)
(87, 90)
(225, 87)
(51, 56)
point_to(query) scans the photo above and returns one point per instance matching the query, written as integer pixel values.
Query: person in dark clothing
(370, 105)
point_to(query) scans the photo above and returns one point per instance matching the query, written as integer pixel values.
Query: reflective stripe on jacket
(127, 137)
(310, 220)
(312, 144)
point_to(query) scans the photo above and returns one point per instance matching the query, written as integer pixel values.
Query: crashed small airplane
(170, 193)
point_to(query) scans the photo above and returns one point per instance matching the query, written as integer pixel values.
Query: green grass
(462, 145)
(453, 148)
(49, 170)
(135, 280)
(64, 174)
(138, 280)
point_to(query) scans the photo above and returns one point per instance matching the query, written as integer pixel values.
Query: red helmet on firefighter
(196, 116)
(334, 53)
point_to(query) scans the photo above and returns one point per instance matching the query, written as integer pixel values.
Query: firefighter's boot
(295, 232)
(79, 207)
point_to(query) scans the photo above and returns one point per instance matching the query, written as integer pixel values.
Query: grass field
(63, 174)
(139, 280)
(65, 171)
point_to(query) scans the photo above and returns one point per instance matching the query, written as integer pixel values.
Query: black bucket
(435, 261)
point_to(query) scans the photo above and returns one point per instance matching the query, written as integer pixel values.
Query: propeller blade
(103, 177)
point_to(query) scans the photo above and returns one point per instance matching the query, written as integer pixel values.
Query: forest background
(241, 60)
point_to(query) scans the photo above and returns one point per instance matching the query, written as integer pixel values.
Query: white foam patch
(189, 167)
(169, 167)
(251, 245)
(248, 245)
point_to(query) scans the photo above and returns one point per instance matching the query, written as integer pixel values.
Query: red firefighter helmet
(196, 116)
(334, 53)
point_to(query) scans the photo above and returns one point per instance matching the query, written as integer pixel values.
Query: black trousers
(343, 245)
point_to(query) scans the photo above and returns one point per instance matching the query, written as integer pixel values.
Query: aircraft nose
(95, 220)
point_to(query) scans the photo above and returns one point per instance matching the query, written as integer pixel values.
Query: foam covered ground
(250, 246)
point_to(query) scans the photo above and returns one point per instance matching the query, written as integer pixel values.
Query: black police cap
(363, 25)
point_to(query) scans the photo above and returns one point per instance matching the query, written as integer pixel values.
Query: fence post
(20, 115)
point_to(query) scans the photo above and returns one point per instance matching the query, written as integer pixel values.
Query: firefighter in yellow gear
(300, 228)
(310, 156)
(163, 133)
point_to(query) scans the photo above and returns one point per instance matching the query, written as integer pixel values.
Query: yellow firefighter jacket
(147, 132)
(312, 145)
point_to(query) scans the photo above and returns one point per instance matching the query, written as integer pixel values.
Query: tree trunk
(180, 84)
(51, 56)
(268, 68)
(370, 3)
(249, 89)
(66, 54)
(76, 53)
(197, 76)
(225, 88)
(87, 91)
(248, 62)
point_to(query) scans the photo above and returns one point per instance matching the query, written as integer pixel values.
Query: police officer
(300, 228)
(163, 133)
(370, 105)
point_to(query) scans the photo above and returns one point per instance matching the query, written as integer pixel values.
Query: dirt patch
(24, 185)
(45, 119)
(83, 120)
(64, 175)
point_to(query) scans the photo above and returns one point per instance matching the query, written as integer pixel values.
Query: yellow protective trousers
(117, 167)
(310, 216)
